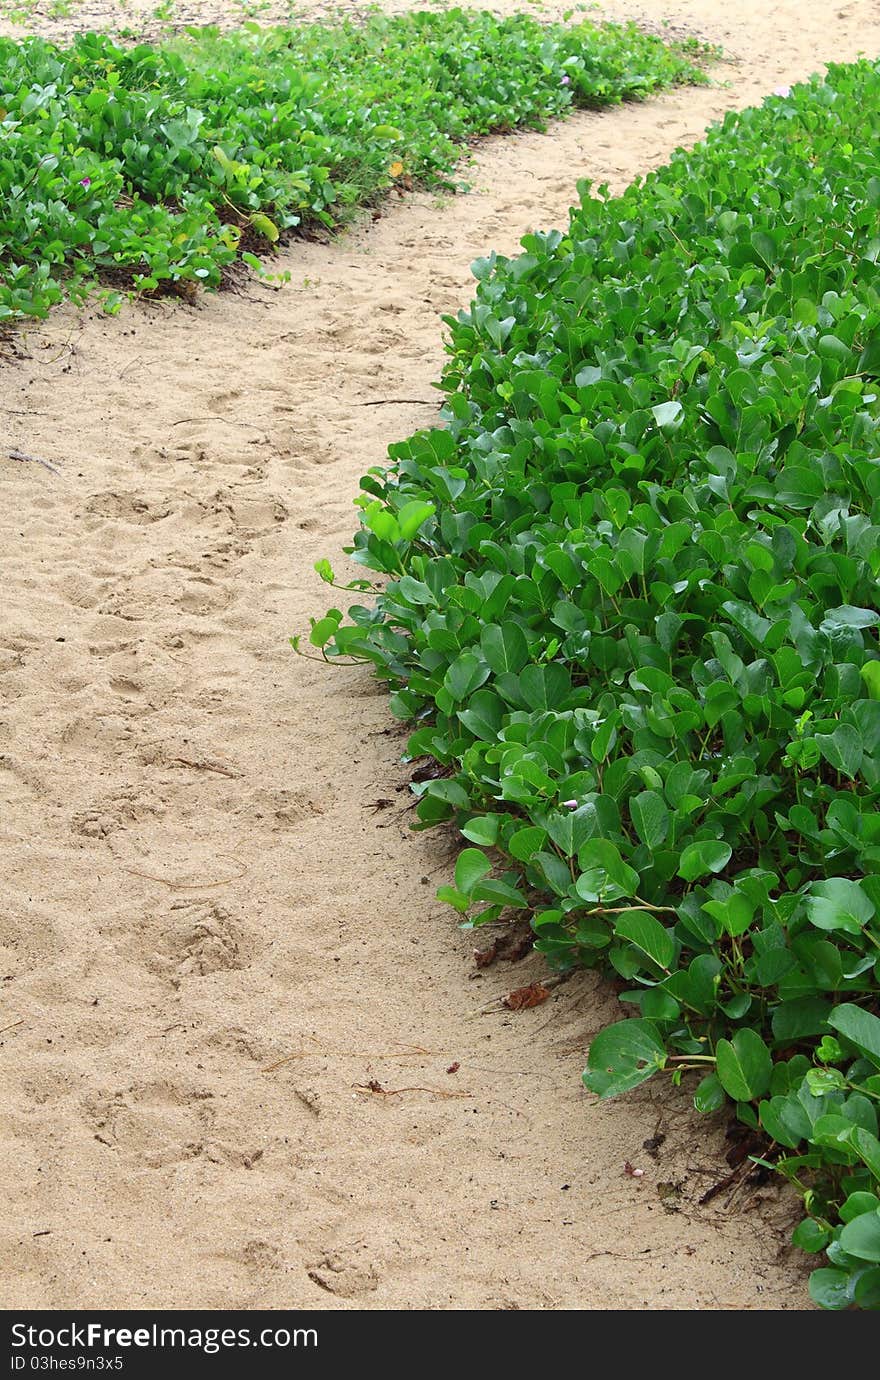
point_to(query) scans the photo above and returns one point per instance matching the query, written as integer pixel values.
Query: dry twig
(33, 459)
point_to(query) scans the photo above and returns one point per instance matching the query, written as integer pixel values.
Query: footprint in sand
(342, 1273)
(283, 809)
(193, 939)
(153, 1124)
(127, 508)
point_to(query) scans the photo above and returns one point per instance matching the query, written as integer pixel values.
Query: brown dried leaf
(524, 997)
(483, 957)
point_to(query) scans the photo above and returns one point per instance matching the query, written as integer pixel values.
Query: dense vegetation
(159, 166)
(633, 612)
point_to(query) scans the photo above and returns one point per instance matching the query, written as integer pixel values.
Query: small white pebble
(637, 1173)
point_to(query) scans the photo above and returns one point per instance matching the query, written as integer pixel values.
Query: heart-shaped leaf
(839, 904)
(471, 866)
(699, 859)
(743, 1065)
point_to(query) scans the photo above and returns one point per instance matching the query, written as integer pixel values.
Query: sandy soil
(199, 881)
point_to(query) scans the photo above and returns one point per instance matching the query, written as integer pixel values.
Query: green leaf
(744, 1065)
(622, 1056)
(699, 859)
(265, 227)
(382, 522)
(784, 1119)
(498, 893)
(842, 749)
(861, 1236)
(734, 913)
(525, 843)
(605, 876)
(647, 934)
(466, 674)
(483, 715)
(323, 629)
(668, 415)
(482, 829)
(569, 831)
(794, 1019)
(470, 867)
(860, 1027)
(504, 646)
(810, 1236)
(869, 360)
(749, 622)
(455, 898)
(830, 1288)
(806, 312)
(709, 1095)
(857, 1203)
(412, 516)
(846, 616)
(765, 247)
(839, 904)
(545, 687)
(870, 674)
(867, 1290)
(867, 1146)
(415, 591)
(650, 817)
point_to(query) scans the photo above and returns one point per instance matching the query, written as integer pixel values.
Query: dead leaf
(524, 997)
(483, 957)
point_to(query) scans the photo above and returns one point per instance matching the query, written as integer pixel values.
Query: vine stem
(640, 905)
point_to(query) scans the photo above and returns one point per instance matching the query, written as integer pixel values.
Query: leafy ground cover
(159, 166)
(633, 614)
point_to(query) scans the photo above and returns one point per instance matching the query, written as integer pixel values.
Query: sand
(200, 877)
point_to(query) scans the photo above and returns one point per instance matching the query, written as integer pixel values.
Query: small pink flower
(782, 91)
(569, 804)
(566, 81)
(85, 182)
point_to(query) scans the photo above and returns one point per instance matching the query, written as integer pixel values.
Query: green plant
(159, 166)
(633, 613)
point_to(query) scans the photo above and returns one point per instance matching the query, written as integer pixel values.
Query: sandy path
(197, 881)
